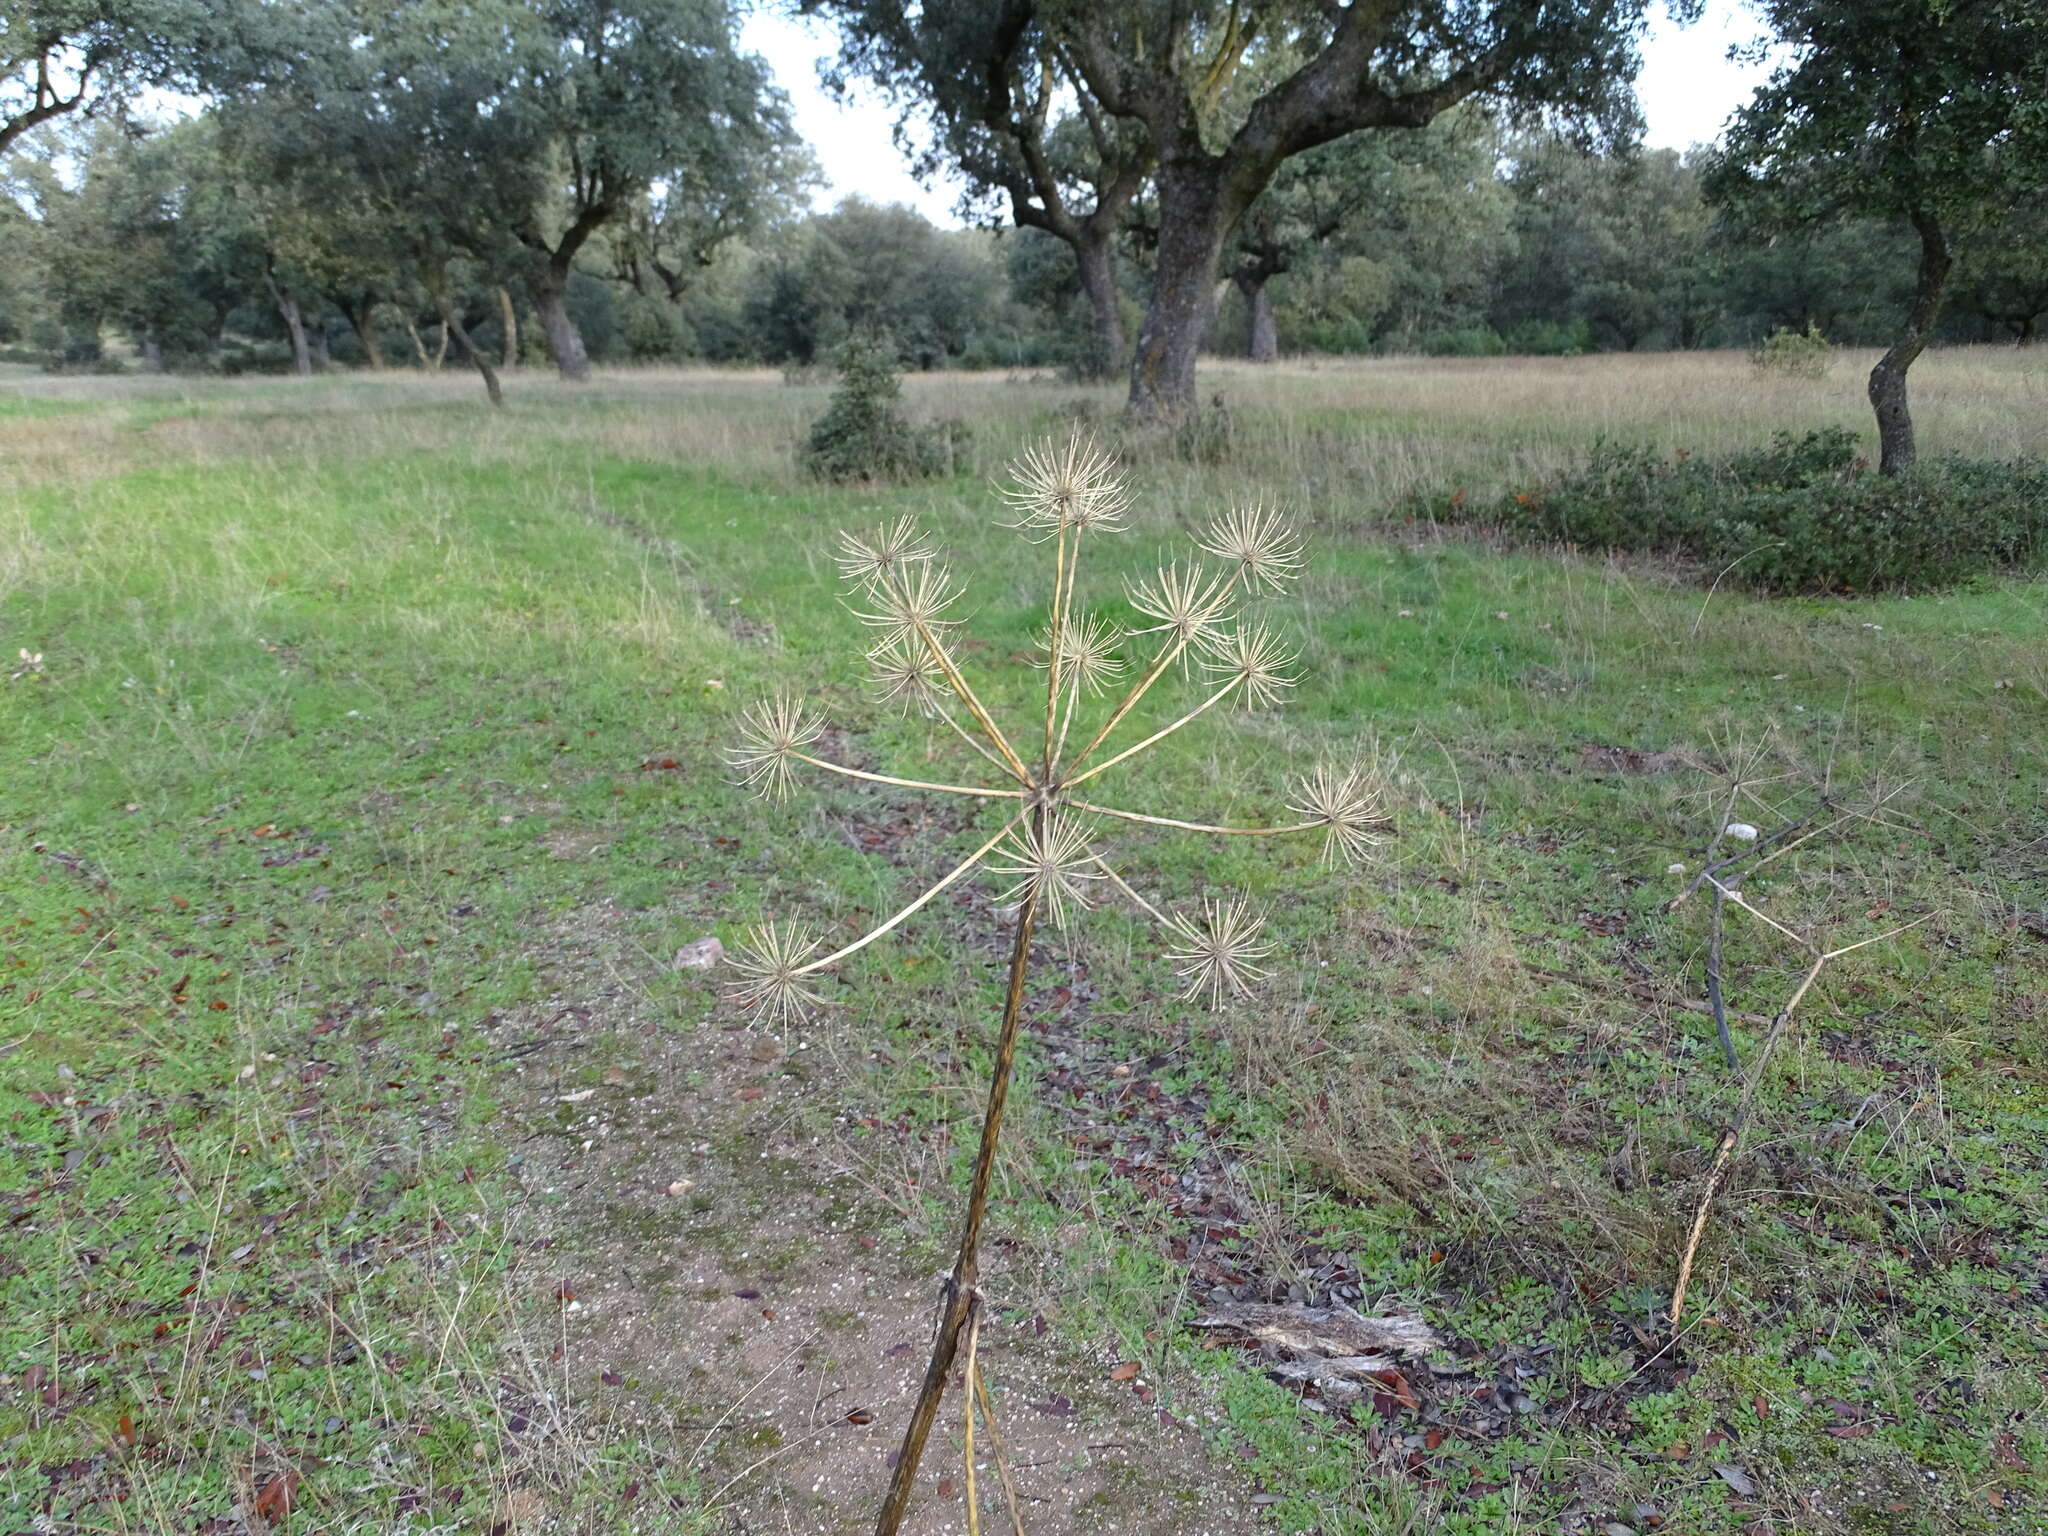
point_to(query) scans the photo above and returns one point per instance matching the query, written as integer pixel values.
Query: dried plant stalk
(1061, 494)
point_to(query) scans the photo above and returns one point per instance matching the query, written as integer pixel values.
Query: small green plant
(863, 435)
(1795, 354)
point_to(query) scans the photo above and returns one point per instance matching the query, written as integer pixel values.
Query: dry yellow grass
(1343, 433)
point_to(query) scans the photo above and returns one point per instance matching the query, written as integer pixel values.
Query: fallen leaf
(1128, 1371)
(274, 1498)
(1736, 1479)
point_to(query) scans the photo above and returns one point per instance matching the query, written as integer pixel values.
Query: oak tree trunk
(295, 326)
(565, 342)
(508, 319)
(419, 347)
(316, 347)
(1896, 449)
(1192, 224)
(451, 323)
(1265, 338)
(1098, 282)
(363, 317)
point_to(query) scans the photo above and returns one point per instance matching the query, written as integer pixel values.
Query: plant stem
(957, 1295)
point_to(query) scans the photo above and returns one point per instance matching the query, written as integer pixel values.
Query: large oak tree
(1169, 71)
(1001, 102)
(1929, 113)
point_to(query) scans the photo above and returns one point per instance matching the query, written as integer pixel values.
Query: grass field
(366, 1165)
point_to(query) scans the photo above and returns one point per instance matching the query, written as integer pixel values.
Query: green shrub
(1550, 338)
(1804, 514)
(1472, 341)
(864, 436)
(1797, 354)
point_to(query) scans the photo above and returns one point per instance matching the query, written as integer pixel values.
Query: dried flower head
(1219, 951)
(773, 965)
(1052, 861)
(770, 733)
(1347, 806)
(883, 552)
(1256, 542)
(1072, 485)
(1184, 604)
(907, 676)
(1254, 659)
(911, 605)
(1089, 656)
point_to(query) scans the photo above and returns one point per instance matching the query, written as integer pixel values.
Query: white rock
(1742, 831)
(699, 955)
(1674, 869)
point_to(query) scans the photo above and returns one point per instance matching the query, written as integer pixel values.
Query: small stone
(1616, 1528)
(1523, 1403)
(681, 1187)
(699, 955)
(1742, 831)
(1674, 869)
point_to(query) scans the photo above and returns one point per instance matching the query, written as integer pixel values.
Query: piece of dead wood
(1339, 1351)
(1334, 1333)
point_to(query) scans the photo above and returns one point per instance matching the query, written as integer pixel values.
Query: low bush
(1805, 514)
(864, 436)
(1800, 354)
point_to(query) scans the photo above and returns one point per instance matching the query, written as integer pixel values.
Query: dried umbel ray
(1048, 849)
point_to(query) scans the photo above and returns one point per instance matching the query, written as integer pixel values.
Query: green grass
(318, 691)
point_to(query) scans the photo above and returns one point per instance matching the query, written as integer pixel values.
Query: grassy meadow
(366, 1164)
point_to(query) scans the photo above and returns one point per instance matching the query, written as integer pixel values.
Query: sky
(1688, 88)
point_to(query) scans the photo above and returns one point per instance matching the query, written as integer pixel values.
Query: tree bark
(1265, 337)
(1193, 222)
(419, 347)
(441, 347)
(565, 342)
(1098, 282)
(152, 352)
(1897, 451)
(451, 324)
(295, 326)
(363, 317)
(508, 319)
(316, 346)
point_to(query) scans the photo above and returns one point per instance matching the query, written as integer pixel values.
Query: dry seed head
(1183, 603)
(1255, 658)
(1259, 543)
(1055, 863)
(1088, 653)
(882, 552)
(771, 963)
(1347, 806)
(906, 676)
(770, 730)
(1219, 951)
(1066, 485)
(911, 604)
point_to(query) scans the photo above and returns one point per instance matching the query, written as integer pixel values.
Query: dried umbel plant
(1048, 848)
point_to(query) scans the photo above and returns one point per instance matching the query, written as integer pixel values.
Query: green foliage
(863, 435)
(1803, 515)
(1803, 354)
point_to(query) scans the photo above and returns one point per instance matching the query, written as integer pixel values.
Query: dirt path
(722, 1286)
